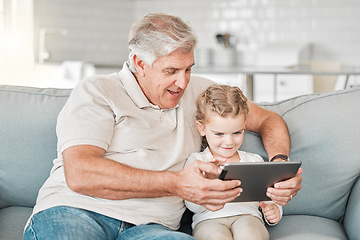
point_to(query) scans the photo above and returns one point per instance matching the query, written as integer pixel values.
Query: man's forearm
(272, 129)
(87, 172)
(275, 136)
(149, 185)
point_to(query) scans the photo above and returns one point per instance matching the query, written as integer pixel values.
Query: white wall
(98, 29)
(331, 26)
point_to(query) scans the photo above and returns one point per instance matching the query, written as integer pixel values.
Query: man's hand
(284, 191)
(210, 193)
(217, 163)
(271, 212)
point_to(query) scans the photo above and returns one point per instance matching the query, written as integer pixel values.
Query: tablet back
(257, 177)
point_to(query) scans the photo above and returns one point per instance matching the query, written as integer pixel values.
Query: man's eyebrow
(175, 68)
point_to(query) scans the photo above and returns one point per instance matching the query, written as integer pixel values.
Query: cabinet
(231, 78)
(275, 87)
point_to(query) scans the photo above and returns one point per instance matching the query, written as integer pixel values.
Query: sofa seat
(307, 227)
(12, 222)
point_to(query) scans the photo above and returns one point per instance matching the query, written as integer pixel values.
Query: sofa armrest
(352, 214)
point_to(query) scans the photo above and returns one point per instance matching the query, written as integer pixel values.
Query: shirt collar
(207, 153)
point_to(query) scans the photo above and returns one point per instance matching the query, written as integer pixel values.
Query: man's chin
(169, 105)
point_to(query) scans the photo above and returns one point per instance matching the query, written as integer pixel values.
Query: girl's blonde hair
(221, 99)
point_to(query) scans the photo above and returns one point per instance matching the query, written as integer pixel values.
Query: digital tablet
(257, 177)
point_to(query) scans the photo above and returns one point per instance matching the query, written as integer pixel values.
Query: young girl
(220, 118)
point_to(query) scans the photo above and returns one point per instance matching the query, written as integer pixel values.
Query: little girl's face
(223, 134)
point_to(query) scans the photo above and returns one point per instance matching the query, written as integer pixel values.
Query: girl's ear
(139, 65)
(201, 128)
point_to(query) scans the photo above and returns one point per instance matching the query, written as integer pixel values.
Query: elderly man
(123, 139)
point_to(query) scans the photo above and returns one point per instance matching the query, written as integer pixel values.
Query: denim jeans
(67, 223)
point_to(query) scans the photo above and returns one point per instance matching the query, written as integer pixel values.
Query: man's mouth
(173, 93)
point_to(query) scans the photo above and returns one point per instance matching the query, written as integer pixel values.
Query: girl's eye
(238, 133)
(219, 134)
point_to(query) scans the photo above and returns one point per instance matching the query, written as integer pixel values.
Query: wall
(331, 26)
(97, 30)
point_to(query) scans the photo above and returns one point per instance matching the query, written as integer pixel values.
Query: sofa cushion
(30, 113)
(352, 215)
(323, 130)
(302, 227)
(12, 222)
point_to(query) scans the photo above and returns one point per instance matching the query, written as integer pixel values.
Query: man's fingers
(284, 191)
(217, 204)
(292, 183)
(209, 168)
(211, 193)
(220, 192)
(281, 197)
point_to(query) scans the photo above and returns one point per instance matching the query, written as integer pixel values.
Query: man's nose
(182, 80)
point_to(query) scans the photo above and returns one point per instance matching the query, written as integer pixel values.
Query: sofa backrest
(324, 136)
(27, 141)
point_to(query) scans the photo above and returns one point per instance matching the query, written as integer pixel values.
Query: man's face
(164, 83)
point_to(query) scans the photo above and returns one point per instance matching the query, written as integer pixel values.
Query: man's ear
(139, 65)
(201, 128)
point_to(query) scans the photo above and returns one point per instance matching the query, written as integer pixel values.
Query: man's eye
(169, 71)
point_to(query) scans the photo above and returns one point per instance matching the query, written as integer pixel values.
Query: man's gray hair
(157, 35)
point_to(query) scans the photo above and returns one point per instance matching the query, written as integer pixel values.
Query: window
(16, 40)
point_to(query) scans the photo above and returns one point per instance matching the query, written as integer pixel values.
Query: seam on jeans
(32, 229)
(121, 229)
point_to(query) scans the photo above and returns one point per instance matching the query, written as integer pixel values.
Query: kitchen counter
(250, 71)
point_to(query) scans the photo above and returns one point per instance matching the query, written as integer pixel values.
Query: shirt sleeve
(86, 119)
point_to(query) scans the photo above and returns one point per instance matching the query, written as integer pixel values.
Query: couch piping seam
(32, 93)
(310, 100)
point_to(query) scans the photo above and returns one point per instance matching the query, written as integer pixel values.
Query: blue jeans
(67, 223)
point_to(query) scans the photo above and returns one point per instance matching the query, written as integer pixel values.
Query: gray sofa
(324, 131)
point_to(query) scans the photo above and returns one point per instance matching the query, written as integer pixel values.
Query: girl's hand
(271, 212)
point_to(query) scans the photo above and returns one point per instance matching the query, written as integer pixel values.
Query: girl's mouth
(227, 148)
